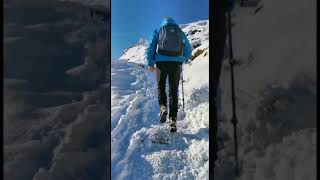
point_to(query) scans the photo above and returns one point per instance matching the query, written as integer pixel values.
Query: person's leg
(162, 96)
(219, 39)
(174, 78)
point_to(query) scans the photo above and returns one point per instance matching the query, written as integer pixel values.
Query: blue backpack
(170, 41)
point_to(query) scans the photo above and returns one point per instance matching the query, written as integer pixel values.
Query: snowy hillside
(275, 78)
(136, 53)
(276, 93)
(55, 98)
(136, 153)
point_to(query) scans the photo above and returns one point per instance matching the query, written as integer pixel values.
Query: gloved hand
(151, 68)
(230, 5)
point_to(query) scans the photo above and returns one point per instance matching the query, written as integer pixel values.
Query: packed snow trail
(135, 122)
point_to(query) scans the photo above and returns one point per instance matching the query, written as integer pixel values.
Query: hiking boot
(173, 126)
(163, 114)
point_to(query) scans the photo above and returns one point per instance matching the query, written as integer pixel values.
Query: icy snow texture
(134, 53)
(275, 96)
(55, 103)
(275, 93)
(135, 121)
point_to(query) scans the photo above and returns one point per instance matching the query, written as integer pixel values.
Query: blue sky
(135, 19)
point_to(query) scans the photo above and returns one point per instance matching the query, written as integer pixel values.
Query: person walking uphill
(168, 49)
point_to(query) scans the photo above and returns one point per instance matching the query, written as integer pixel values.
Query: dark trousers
(219, 29)
(170, 70)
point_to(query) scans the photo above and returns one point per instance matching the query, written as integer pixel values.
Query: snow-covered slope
(136, 53)
(275, 78)
(198, 35)
(275, 93)
(55, 93)
(135, 121)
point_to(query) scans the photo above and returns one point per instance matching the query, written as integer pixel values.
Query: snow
(275, 96)
(275, 93)
(135, 121)
(134, 53)
(55, 128)
(63, 135)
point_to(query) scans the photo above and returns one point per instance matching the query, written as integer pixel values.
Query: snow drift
(55, 93)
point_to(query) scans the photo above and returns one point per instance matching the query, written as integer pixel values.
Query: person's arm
(187, 51)
(151, 50)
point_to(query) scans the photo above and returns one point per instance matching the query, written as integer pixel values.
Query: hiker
(219, 34)
(168, 49)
